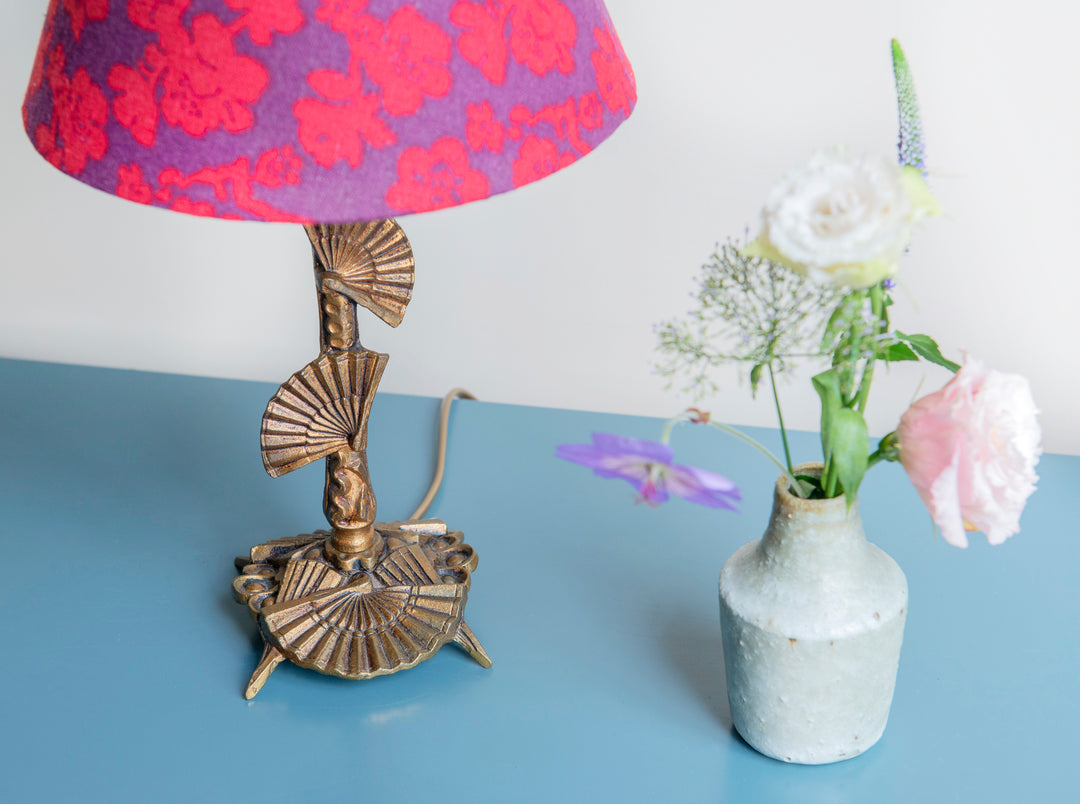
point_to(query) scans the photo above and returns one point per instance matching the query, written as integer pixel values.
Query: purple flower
(647, 466)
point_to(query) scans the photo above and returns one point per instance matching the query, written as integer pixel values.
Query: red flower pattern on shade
(538, 158)
(407, 58)
(614, 77)
(160, 16)
(331, 132)
(236, 182)
(344, 16)
(130, 185)
(76, 132)
(37, 74)
(264, 19)
(543, 35)
(200, 208)
(589, 111)
(482, 43)
(134, 105)
(278, 166)
(205, 84)
(81, 11)
(565, 120)
(483, 130)
(436, 178)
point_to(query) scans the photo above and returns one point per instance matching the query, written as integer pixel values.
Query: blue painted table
(124, 497)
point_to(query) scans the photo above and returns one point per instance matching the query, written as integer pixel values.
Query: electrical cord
(440, 464)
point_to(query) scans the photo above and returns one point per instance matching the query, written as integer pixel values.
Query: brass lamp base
(365, 598)
(346, 619)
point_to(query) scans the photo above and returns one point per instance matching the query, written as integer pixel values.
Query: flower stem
(780, 418)
(829, 478)
(669, 425)
(686, 416)
(864, 386)
(877, 306)
(887, 450)
(786, 471)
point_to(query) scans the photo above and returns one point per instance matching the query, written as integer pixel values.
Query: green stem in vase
(877, 305)
(780, 419)
(790, 475)
(686, 416)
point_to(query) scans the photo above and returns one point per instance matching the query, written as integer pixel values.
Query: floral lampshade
(322, 110)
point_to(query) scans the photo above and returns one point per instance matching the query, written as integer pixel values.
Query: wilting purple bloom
(647, 466)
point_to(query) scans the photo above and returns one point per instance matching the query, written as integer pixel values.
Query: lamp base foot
(362, 621)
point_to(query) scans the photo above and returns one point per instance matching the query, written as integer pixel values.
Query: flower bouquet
(812, 613)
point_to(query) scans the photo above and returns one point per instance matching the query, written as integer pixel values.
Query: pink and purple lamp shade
(322, 110)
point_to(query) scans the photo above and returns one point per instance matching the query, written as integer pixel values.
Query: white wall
(547, 296)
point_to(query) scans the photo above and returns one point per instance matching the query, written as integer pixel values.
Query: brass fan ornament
(364, 598)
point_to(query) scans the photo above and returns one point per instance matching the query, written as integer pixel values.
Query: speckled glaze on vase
(813, 618)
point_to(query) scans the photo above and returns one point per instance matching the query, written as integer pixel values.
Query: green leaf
(844, 439)
(811, 486)
(755, 378)
(827, 384)
(895, 352)
(850, 448)
(928, 350)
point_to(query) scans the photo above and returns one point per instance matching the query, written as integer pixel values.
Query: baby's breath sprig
(748, 310)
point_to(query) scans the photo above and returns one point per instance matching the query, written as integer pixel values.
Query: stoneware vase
(813, 618)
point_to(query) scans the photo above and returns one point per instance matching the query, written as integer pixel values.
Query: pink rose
(970, 450)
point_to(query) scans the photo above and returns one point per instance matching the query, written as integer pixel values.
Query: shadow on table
(694, 650)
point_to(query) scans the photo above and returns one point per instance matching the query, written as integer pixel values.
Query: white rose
(842, 218)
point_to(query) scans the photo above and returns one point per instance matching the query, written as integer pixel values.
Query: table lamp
(334, 114)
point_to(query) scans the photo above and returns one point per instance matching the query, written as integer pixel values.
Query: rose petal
(944, 505)
(842, 218)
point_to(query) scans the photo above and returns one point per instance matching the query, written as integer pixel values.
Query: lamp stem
(337, 317)
(348, 499)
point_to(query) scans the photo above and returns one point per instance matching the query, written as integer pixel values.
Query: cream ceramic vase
(813, 618)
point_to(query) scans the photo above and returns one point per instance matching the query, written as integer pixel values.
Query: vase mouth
(792, 501)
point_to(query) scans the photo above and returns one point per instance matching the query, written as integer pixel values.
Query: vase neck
(798, 528)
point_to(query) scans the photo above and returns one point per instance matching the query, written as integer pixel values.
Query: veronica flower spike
(648, 467)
